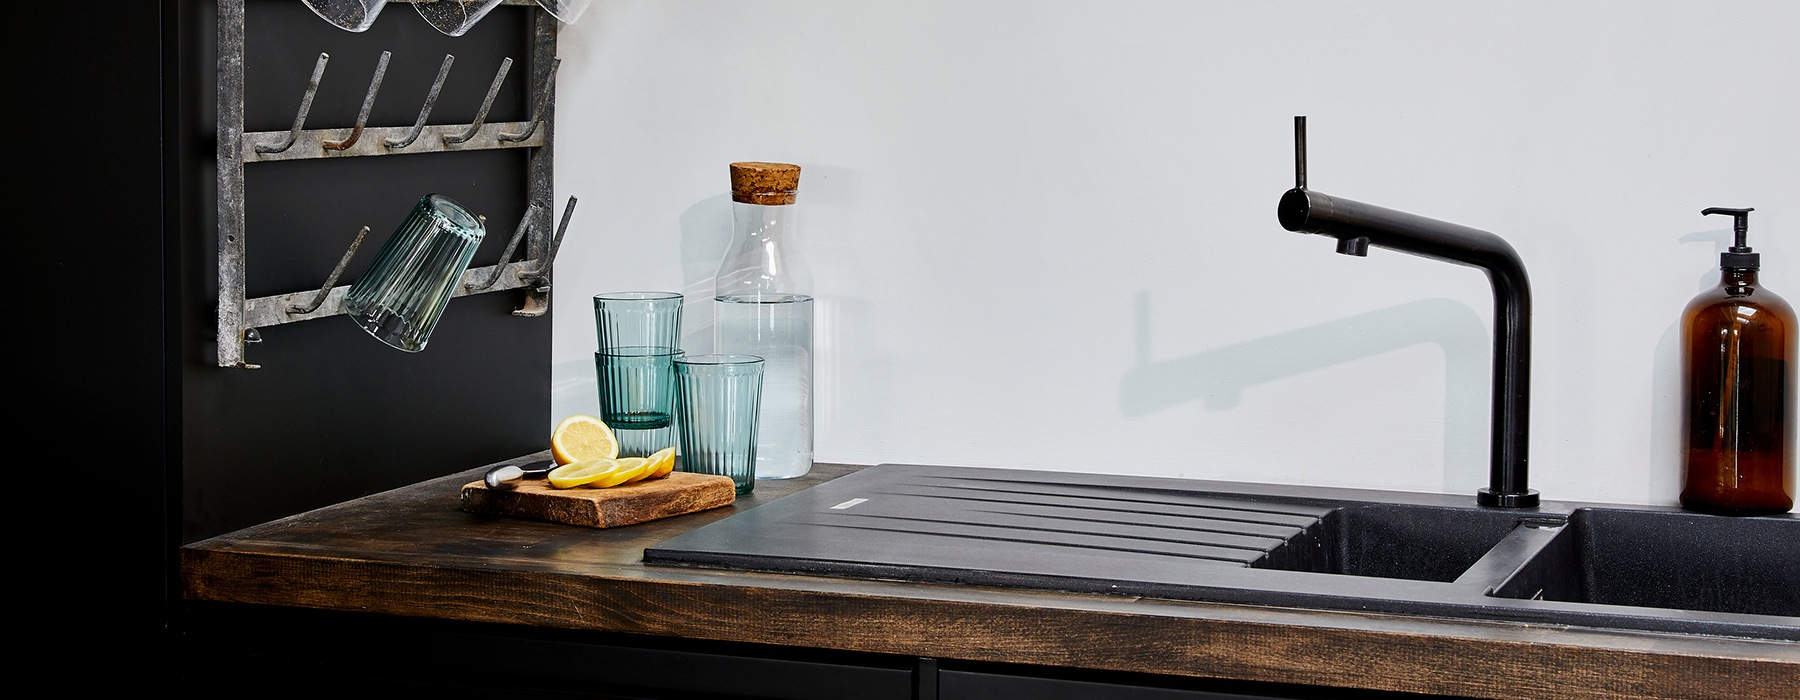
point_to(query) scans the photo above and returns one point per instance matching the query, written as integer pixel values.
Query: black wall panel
(333, 414)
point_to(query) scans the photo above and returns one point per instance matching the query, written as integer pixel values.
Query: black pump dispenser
(1738, 257)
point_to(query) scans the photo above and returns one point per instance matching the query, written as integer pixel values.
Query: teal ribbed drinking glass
(401, 297)
(638, 319)
(717, 400)
(637, 397)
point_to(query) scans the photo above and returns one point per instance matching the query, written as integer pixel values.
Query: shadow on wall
(1663, 479)
(1218, 377)
(705, 234)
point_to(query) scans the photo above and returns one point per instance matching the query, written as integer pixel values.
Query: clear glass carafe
(764, 307)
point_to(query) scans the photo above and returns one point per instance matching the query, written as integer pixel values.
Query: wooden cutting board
(643, 501)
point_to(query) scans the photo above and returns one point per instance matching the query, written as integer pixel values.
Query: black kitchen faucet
(1356, 226)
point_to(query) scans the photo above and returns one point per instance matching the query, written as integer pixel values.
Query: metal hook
(538, 275)
(425, 111)
(537, 113)
(312, 88)
(331, 281)
(493, 91)
(511, 245)
(368, 102)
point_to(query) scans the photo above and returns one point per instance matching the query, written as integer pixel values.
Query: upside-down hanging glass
(454, 17)
(400, 299)
(565, 10)
(352, 15)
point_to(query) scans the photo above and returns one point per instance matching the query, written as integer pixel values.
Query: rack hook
(537, 112)
(486, 104)
(511, 245)
(331, 281)
(368, 102)
(540, 276)
(425, 111)
(312, 88)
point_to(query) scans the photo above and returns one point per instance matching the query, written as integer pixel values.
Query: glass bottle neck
(763, 221)
(1737, 281)
(763, 264)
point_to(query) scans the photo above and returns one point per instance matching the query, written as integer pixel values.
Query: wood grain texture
(679, 493)
(412, 552)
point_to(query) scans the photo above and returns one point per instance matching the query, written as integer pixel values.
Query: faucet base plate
(1493, 499)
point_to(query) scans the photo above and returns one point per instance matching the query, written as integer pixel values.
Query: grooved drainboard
(1080, 531)
(1342, 549)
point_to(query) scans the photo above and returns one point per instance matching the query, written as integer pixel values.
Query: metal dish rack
(240, 317)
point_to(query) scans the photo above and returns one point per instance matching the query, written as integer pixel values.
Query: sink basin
(1228, 542)
(1419, 543)
(1676, 561)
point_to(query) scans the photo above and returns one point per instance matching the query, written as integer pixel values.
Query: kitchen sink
(1309, 547)
(1676, 561)
(1380, 540)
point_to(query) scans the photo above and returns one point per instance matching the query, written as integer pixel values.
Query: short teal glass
(717, 399)
(402, 296)
(637, 397)
(634, 319)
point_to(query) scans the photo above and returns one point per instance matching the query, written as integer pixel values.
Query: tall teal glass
(402, 296)
(637, 396)
(717, 401)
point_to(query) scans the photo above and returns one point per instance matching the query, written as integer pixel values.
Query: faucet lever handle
(1300, 152)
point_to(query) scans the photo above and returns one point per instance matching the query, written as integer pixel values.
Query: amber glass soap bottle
(1738, 390)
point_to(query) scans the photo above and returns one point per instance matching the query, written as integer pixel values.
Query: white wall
(1044, 232)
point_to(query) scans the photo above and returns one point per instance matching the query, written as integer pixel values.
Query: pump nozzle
(1739, 257)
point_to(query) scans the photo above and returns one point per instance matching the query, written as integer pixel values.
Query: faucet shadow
(1218, 377)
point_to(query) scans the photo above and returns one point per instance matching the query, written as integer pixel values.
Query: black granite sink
(1386, 540)
(1674, 561)
(1341, 549)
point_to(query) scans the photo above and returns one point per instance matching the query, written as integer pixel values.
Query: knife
(507, 476)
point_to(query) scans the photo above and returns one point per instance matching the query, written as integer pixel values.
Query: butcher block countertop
(414, 552)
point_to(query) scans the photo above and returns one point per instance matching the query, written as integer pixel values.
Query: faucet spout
(1357, 226)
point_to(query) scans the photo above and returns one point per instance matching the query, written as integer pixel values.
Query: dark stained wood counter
(413, 552)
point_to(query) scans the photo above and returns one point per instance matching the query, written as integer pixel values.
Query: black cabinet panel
(991, 681)
(231, 651)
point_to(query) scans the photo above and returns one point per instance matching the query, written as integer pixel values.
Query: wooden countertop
(413, 552)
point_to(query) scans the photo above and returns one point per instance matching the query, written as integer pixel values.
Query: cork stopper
(764, 183)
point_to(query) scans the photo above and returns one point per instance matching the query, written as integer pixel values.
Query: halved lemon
(630, 469)
(582, 437)
(582, 473)
(661, 462)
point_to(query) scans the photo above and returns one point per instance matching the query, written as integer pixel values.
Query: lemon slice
(582, 473)
(630, 469)
(582, 437)
(661, 463)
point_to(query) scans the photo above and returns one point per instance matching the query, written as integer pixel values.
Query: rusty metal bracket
(537, 113)
(537, 279)
(331, 281)
(511, 245)
(239, 317)
(362, 118)
(425, 111)
(312, 88)
(486, 104)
